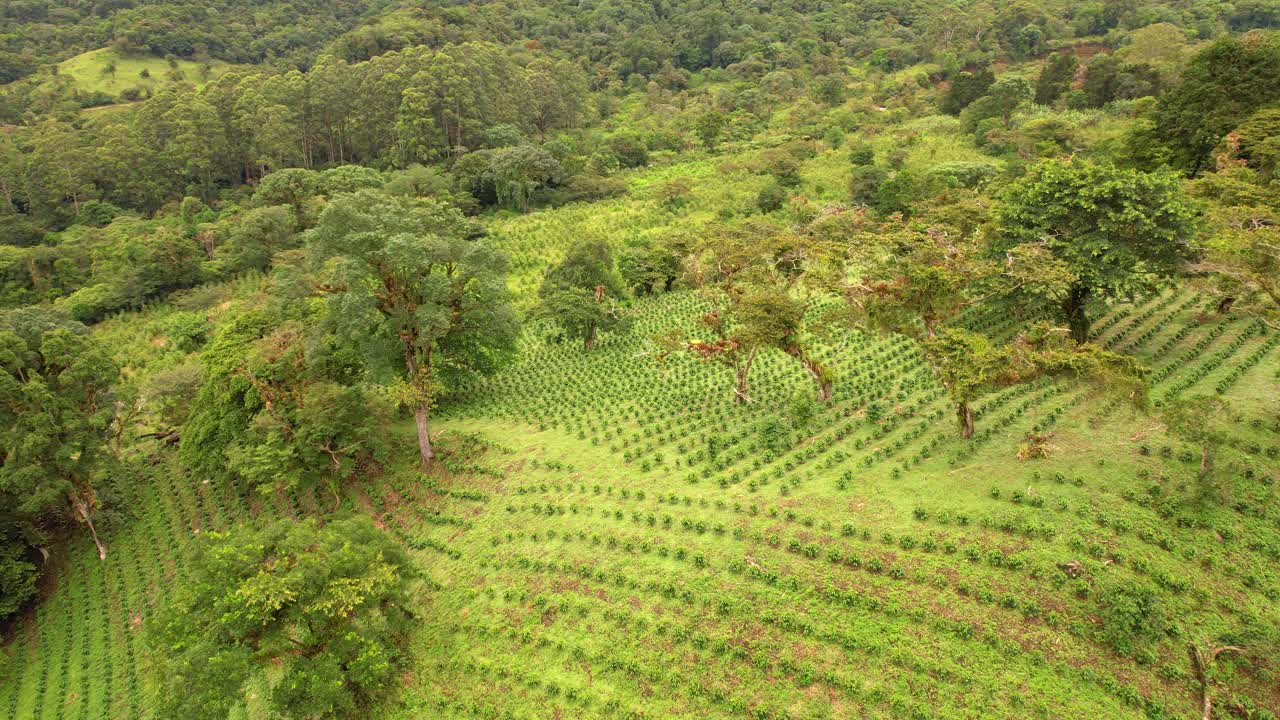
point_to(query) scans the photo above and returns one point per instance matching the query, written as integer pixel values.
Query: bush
(864, 184)
(960, 174)
(18, 576)
(186, 331)
(596, 187)
(1131, 613)
(97, 213)
(861, 154)
(629, 149)
(771, 197)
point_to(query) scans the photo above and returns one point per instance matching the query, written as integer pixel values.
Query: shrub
(771, 197)
(1131, 614)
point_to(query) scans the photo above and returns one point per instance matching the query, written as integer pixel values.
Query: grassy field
(609, 536)
(92, 74)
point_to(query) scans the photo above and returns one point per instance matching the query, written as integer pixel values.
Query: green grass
(90, 71)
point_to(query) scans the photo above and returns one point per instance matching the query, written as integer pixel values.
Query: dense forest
(390, 359)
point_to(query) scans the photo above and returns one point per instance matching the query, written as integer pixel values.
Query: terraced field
(614, 539)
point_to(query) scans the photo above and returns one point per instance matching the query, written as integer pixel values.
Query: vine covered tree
(1203, 420)
(759, 282)
(971, 365)
(1242, 259)
(1118, 231)
(415, 293)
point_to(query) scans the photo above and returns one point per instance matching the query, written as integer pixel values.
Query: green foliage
(227, 400)
(962, 174)
(581, 294)
(55, 415)
(1131, 613)
(1056, 77)
(629, 148)
(520, 171)
(771, 198)
(865, 182)
(185, 330)
(328, 605)
(503, 136)
(1258, 140)
(18, 578)
(965, 87)
(346, 179)
(1117, 231)
(1222, 86)
(254, 238)
(291, 187)
(646, 267)
(709, 127)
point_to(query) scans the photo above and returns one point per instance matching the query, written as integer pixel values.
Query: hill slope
(610, 537)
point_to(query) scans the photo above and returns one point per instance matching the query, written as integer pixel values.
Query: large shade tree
(55, 416)
(1118, 231)
(411, 288)
(914, 281)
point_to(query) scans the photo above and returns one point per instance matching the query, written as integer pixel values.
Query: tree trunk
(1073, 307)
(819, 374)
(1201, 664)
(740, 386)
(1198, 666)
(589, 342)
(964, 414)
(741, 373)
(83, 509)
(424, 436)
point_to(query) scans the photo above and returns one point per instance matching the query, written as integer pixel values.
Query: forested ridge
(639, 360)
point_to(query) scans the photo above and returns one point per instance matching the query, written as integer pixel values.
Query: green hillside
(628, 361)
(107, 71)
(609, 537)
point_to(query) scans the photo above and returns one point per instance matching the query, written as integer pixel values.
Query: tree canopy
(330, 605)
(1118, 231)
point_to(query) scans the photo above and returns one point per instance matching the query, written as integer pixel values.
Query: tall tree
(1118, 231)
(55, 415)
(518, 172)
(1221, 86)
(581, 294)
(1055, 77)
(415, 293)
